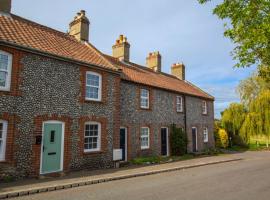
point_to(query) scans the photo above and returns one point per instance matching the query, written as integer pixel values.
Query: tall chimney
(5, 6)
(178, 70)
(79, 27)
(153, 61)
(121, 48)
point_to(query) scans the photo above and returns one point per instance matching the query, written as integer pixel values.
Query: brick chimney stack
(79, 27)
(178, 70)
(153, 61)
(5, 6)
(121, 48)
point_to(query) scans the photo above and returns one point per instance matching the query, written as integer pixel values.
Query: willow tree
(250, 127)
(233, 118)
(261, 106)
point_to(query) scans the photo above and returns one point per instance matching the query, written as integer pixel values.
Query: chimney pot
(83, 12)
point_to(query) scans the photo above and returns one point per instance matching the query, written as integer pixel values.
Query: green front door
(52, 148)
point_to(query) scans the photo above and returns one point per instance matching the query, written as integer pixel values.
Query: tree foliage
(250, 88)
(249, 29)
(233, 118)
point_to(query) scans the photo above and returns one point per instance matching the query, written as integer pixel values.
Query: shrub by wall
(178, 141)
(222, 139)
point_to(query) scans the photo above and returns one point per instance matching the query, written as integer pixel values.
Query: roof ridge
(27, 33)
(148, 69)
(199, 89)
(165, 76)
(47, 28)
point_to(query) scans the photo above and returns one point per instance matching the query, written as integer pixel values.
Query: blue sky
(182, 30)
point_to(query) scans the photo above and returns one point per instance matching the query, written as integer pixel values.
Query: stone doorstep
(113, 178)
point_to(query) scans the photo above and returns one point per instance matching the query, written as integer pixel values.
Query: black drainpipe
(185, 119)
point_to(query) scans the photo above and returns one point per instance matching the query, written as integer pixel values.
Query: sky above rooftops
(182, 30)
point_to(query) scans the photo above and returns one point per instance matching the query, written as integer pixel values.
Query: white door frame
(62, 145)
(126, 149)
(194, 127)
(167, 136)
(4, 139)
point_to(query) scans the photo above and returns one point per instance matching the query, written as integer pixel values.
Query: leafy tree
(233, 118)
(178, 141)
(251, 87)
(248, 26)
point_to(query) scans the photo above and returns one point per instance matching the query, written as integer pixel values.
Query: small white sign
(117, 154)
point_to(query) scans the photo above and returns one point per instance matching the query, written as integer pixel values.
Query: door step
(52, 175)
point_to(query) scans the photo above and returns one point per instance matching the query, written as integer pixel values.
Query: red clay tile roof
(19, 31)
(143, 75)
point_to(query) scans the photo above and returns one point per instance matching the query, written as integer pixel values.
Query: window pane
(92, 80)
(144, 103)
(94, 127)
(92, 92)
(144, 93)
(3, 78)
(87, 127)
(3, 62)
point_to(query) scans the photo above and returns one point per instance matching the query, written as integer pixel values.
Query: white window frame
(98, 137)
(147, 136)
(205, 134)
(4, 140)
(204, 107)
(99, 87)
(9, 69)
(142, 97)
(179, 104)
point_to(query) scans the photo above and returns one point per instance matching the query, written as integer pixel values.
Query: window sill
(4, 89)
(145, 148)
(93, 152)
(145, 109)
(92, 101)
